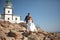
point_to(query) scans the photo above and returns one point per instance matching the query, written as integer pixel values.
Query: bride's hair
(30, 18)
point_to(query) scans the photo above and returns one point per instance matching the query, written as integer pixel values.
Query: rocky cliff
(9, 31)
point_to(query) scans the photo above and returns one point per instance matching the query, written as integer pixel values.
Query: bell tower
(8, 10)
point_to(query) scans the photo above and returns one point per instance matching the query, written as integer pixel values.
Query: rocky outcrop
(9, 31)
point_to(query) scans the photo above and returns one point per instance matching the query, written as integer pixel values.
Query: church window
(8, 18)
(8, 11)
(15, 18)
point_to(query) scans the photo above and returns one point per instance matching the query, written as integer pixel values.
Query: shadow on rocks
(26, 34)
(11, 34)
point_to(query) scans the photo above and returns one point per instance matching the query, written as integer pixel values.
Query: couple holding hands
(30, 24)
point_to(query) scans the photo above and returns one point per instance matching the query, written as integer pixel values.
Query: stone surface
(9, 31)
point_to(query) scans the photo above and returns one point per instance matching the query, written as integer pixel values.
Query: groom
(27, 18)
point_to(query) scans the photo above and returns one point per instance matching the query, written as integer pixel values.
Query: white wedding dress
(31, 26)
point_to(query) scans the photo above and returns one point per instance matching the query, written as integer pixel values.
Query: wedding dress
(31, 26)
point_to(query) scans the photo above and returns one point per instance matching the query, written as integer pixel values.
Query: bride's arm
(32, 20)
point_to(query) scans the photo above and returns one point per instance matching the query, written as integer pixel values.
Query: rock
(23, 28)
(51, 37)
(33, 37)
(26, 34)
(10, 38)
(47, 38)
(25, 38)
(11, 27)
(10, 31)
(42, 35)
(19, 35)
(23, 24)
(2, 35)
(11, 34)
(4, 24)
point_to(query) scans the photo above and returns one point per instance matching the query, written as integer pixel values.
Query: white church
(8, 14)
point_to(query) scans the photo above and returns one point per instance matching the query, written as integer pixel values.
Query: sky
(45, 13)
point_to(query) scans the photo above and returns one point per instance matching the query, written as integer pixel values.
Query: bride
(30, 25)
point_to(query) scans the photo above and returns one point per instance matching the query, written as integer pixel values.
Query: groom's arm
(25, 18)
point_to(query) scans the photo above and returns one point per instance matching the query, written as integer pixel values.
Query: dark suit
(27, 18)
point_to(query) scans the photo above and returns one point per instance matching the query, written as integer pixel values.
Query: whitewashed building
(8, 13)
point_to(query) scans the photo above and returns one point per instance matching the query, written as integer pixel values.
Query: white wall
(6, 11)
(18, 19)
(8, 16)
